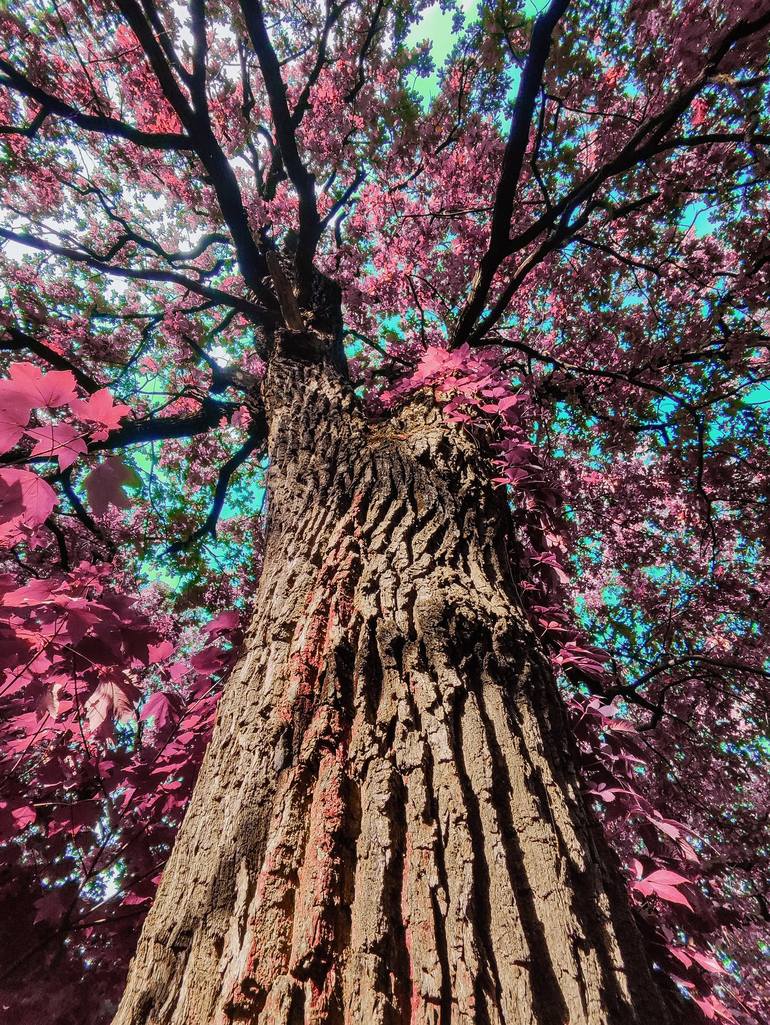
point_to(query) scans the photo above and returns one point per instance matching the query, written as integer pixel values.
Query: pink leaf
(224, 621)
(665, 876)
(670, 894)
(34, 592)
(713, 1008)
(60, 440)
(508, 401)
(14, 416)
(108, 701)
(51, 906)
(101, 408)
(681, 955)
(662, 884)
(707, 961)
(159, 708)
(104, 485)
(25, 500)
(23, 817)
(38, 389)
(209, 660)
(160, 652)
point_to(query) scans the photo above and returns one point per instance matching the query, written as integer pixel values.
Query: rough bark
(387, 826)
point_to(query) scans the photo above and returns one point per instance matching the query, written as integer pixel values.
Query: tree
(422, 403)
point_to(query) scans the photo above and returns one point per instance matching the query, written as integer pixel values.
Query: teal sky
(435, 25)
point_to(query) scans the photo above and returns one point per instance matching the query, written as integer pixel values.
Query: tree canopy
(555, 220)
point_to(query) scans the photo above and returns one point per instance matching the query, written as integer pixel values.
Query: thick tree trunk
(387, 826)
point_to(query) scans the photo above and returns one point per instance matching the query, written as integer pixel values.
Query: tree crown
(559, 230)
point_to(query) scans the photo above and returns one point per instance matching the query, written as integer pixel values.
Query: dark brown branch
(162, 428)
(250, 259)
(647, 141)
(565, 232)
(301, 179)
(109, 126)
(15, 340)
(209, 527)
(164, 39)
(249, 309)
(714, 139)
(332, 16)
(513, 161)
(627, 261)
(30, 130)
(286, 298)
(576, 369)
(144, 32)
(346, 196)
(197, 80)
(716, 663)
(374, 28)
(648, 138)
(65, 479)
(61, 542)
(131, 235)
(140, 432)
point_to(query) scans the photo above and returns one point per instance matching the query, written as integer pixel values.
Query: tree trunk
(387, 826)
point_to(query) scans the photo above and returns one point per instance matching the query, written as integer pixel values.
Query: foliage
(562, 231)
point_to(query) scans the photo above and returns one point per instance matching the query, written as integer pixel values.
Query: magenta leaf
(37, 388)
(14, 417)
(224, 622)
(663, 883)
(26, 500)
(105, 483)
(101, 408)
(59, 440)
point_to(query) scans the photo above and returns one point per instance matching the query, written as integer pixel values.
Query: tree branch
(109, 126)
(16, 340)
(249, 309)
(209, 526)
(222, 177)
(140, 432)
(513, 161)
(646, 141)
(301, 106)
(301, 179)
(374, 28)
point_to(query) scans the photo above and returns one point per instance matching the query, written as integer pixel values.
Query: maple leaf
(663, 884)
(160, 708)
(52, 906)
(224, 621)
(210, 660)
(160, 652)
(34, 592)
(11, 498)
(713, 1008)
(60, 440)
(109, 701)
(14, 417)
(101, 408)
(23, 816)
(707, 962)
(29, 384)
(104, 485)
(25, 500)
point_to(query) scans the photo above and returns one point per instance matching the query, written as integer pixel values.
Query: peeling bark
(387, 827)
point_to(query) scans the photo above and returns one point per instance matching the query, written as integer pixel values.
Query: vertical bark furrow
(467, 743)
(386, 829)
